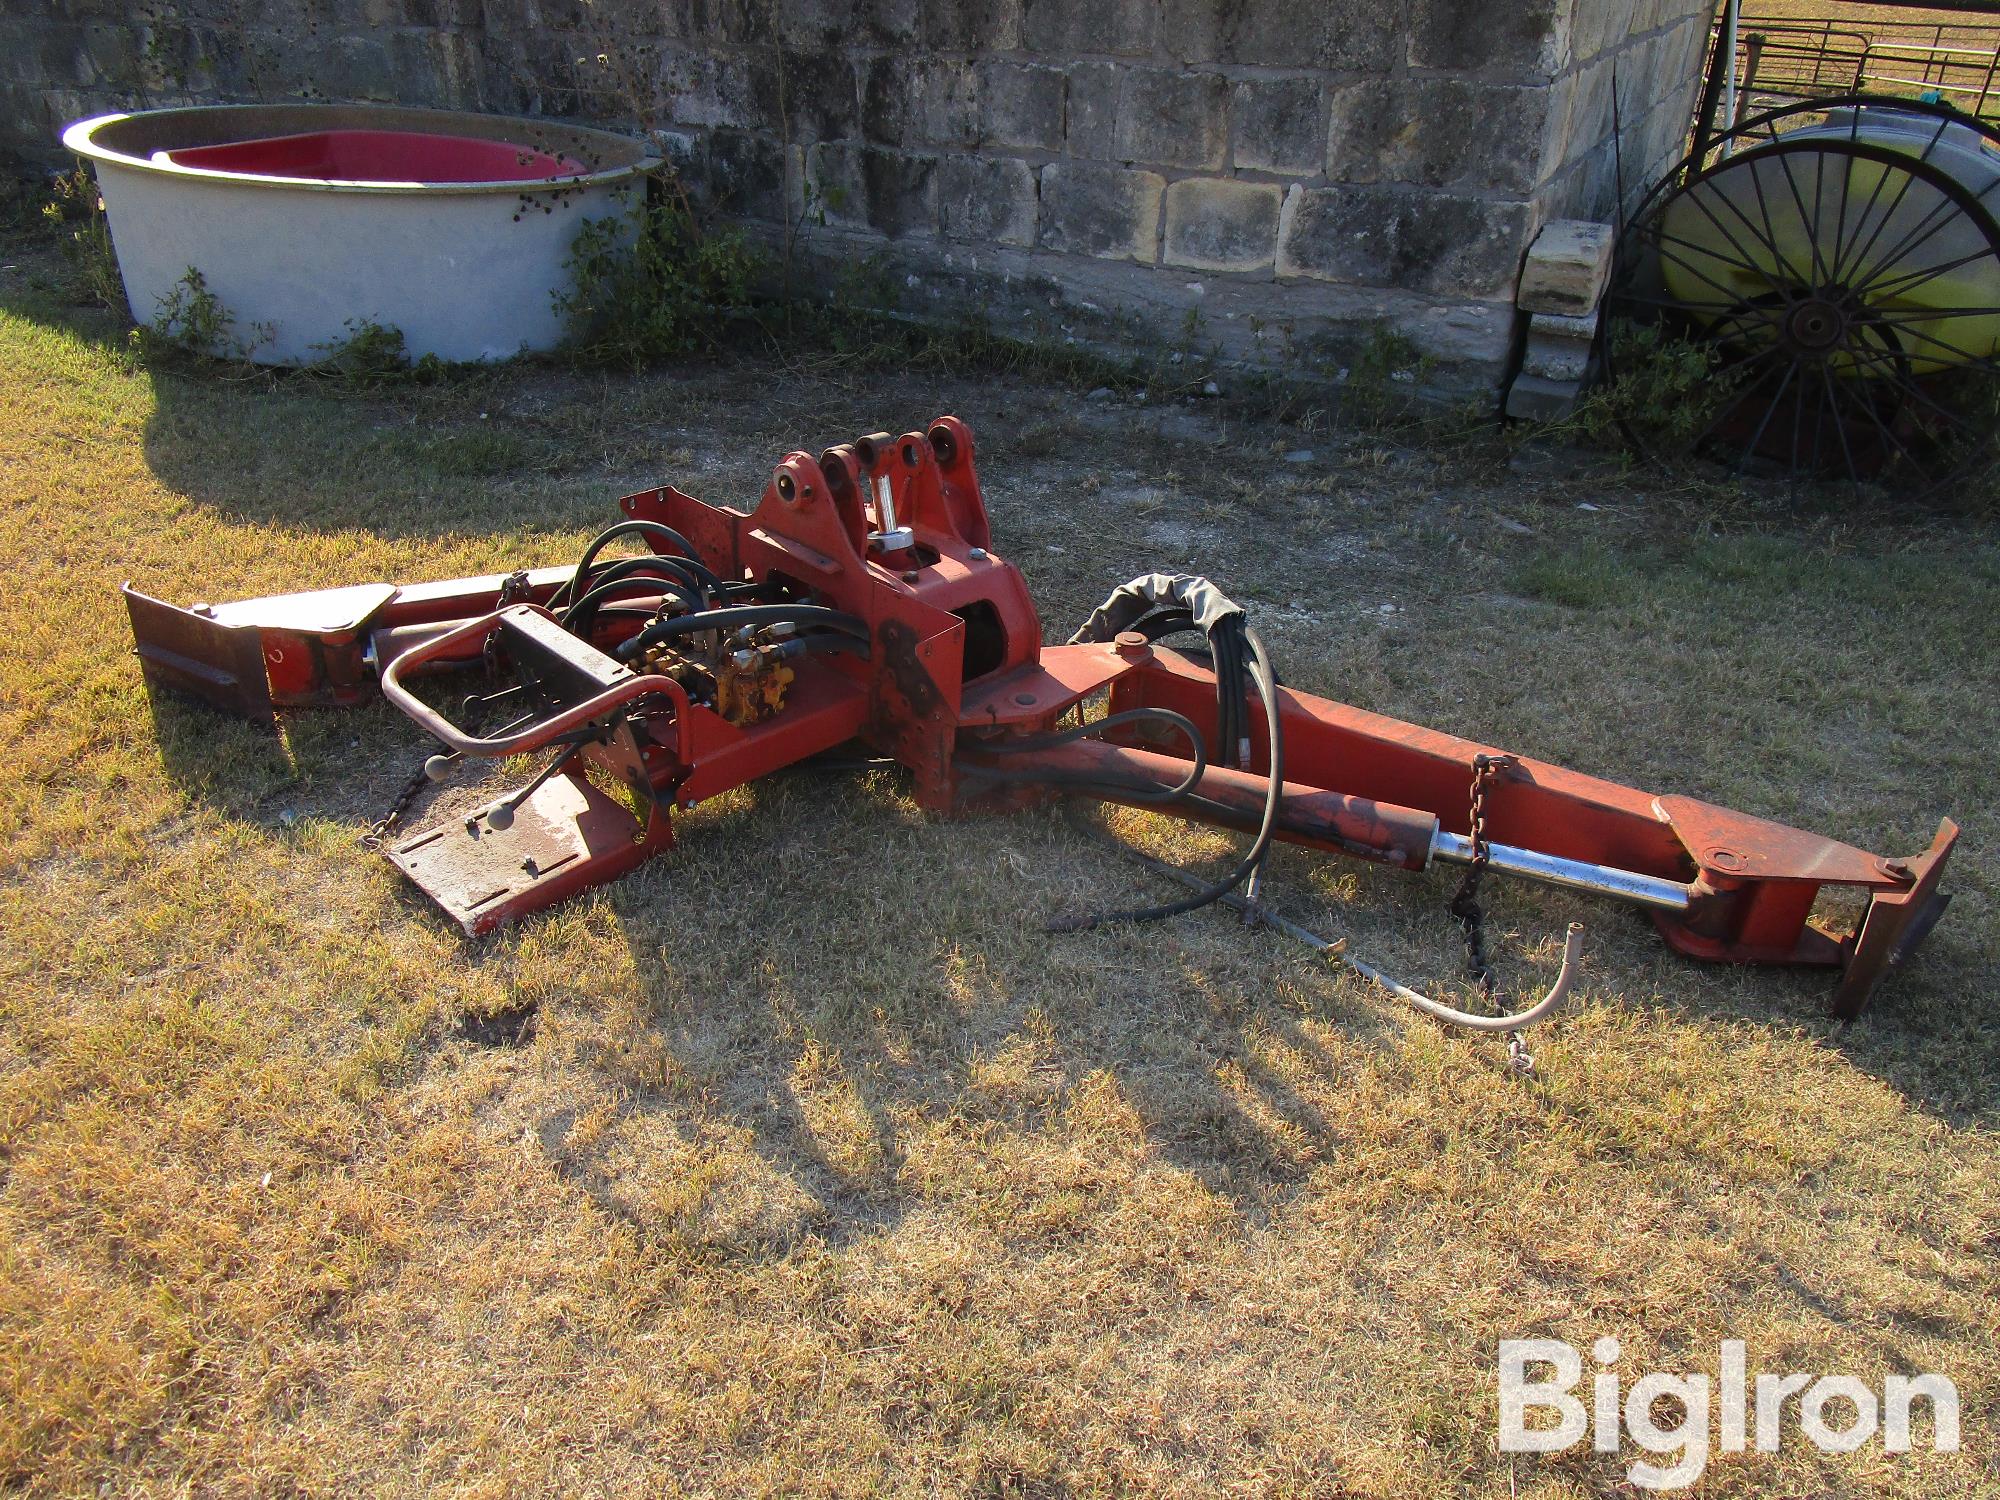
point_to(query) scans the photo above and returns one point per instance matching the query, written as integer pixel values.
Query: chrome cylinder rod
(1575, 874)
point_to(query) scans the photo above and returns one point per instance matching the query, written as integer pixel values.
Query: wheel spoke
(1745, 258)
(1696, 271)
(1910, 242)
(1757, 437)
(1839, 426)
(1770, 228)
(1902, 286)
(1806, 218)
(1841, 265)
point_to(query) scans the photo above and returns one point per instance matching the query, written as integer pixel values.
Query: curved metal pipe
(1256, 911)
(1541, 1010)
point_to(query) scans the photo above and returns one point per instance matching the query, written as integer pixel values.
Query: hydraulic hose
(653, 531)
(1266, 681)
(578, 617)
(805, 616)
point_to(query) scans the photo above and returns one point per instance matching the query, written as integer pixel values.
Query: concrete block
(1342, 35)
(1218, 224)
(1567, 267)
(1555, 357)
(1562, 326)
(919, 102)
(988, 200)
(1121, 28)
(1523, 39)
(1535, 398)
(1176, 119)
(1388, 236)
(892, 193)
(1280, 125)
(1107, 212)
(1021, 106)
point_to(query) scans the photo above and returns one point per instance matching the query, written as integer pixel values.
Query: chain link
(379, 831)
(1465, 904)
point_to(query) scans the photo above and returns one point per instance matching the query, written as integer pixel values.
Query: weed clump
(654, 284)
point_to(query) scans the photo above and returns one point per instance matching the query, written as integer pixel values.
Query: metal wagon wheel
(1824, 308)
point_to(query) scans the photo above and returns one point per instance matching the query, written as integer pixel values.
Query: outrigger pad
(1897, 921)
(193, 652)
(568, 835)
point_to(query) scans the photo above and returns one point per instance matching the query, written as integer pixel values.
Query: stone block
(1218, 224)
(1107, 212)
(1091, 129)
(818, 27)
(1120, 28)
(1603, 26)
(358, 68)
(816, 96)
(1021, 106)
(1535, 398)
(892, 193)
(1280, 125)
(1342, 35)
(989, 200)
(1440, 133)
(1387, 236)
(746, 175)
(1176, 119)
(1364, 119)
(1567, 267)
(1521, 39)
(685, 153)
(919, 101)
(972, 25)
(704, 89)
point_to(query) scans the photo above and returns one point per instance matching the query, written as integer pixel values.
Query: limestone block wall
(1279, 180)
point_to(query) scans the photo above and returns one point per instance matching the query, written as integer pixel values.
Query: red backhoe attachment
(861, 602)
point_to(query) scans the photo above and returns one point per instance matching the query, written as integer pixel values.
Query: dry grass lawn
(823, 1168)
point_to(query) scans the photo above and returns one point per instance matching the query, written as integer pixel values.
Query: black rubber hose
(578, 617)
(653, 531)
(1266, 680)
(1144, 790)
(658, 563)
(803, 615)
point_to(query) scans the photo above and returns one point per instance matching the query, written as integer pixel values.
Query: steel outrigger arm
(860, 601)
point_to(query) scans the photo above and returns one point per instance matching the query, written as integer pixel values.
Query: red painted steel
(954, 668)
(379, 156)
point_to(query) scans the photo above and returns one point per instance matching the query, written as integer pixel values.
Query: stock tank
(310, 222)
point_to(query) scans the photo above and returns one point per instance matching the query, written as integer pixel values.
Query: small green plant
(372, 356)
(1665, 392)
(75, 210)
(654, 285)
(1385, 380)
(192, 323)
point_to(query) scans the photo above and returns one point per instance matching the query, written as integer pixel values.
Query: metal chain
(378, 831)
(1465, 903)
